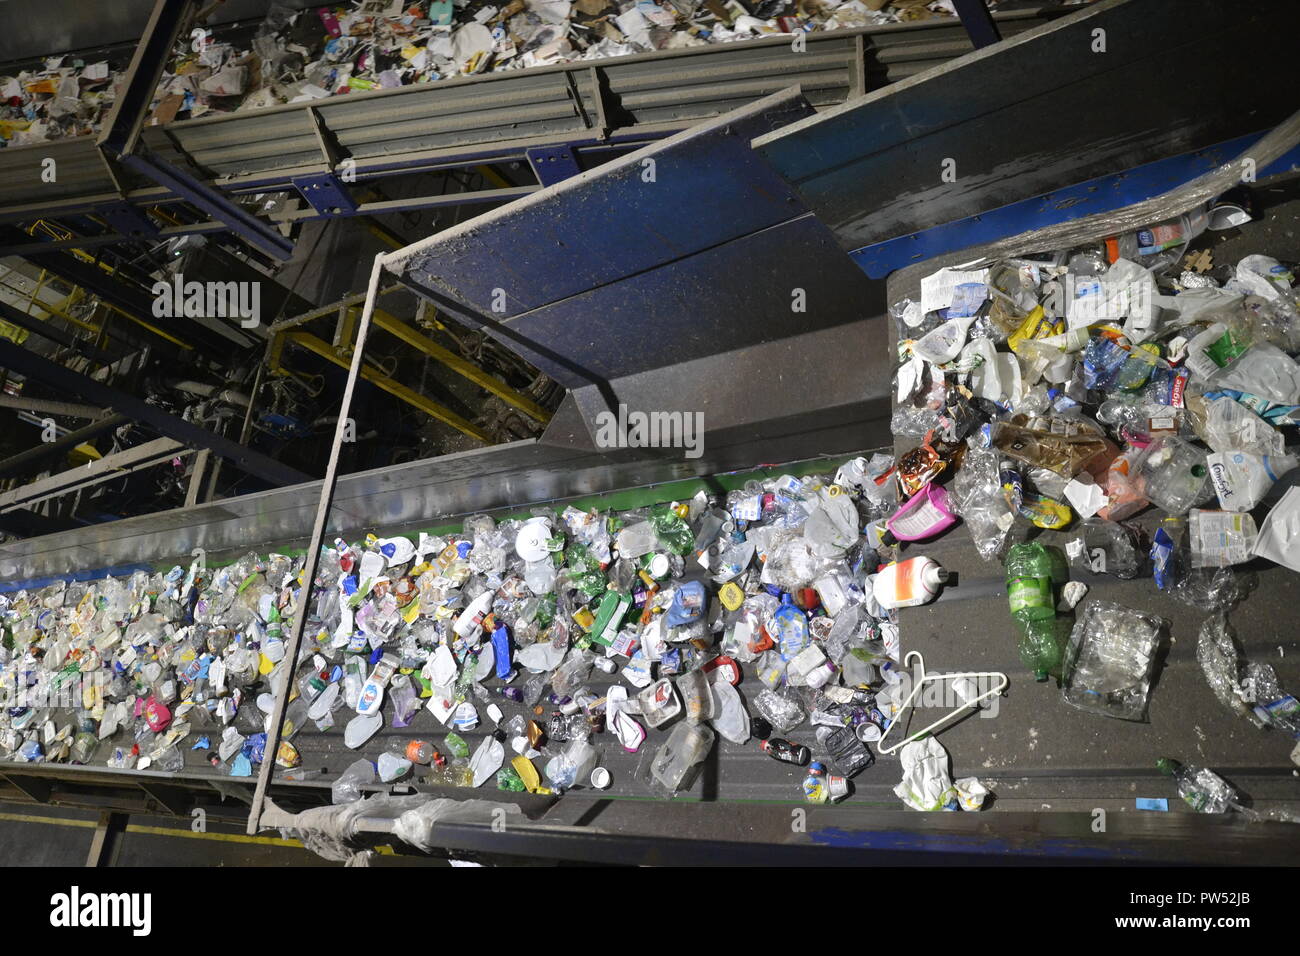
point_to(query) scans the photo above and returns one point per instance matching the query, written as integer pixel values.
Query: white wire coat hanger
(922, 678)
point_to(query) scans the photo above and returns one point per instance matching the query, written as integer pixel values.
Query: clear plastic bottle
(419, 752)
(1201, 789)
(354, 678)
(636, 540)
(1174, 474)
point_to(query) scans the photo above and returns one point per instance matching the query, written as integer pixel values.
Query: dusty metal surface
(1055, 106)
(497, 115)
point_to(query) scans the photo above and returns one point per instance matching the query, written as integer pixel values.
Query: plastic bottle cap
(530, 543)
(934, 576)
(659, 566)
(600, 778)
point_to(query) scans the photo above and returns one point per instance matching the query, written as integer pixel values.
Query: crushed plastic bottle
(1110, 660)
(1201, 789)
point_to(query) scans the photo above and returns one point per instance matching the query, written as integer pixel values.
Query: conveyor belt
(1040, 752)
(496, 117)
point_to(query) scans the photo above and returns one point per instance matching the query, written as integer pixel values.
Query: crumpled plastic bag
(730, 718)
(1263, 370)
(927, 784)
(487, 760)
(781, 709)
(1111, 659)
(976, 491)
(347, 788)
(1231, 426)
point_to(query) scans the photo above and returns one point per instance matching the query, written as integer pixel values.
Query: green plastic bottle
(1040, 647)
(1029, 582)
(1029, 592)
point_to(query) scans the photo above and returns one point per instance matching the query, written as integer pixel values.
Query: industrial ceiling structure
(125, 401)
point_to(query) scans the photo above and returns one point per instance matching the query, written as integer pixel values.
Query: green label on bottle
(1029, 593)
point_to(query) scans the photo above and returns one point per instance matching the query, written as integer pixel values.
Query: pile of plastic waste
(550, 638)
(302, 55)
(1120, 408)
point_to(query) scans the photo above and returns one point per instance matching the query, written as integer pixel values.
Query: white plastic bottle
(909, 583)
(471, 619)
(1241, 478)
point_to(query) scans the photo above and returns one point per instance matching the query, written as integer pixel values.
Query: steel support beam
(130, 301)
(397, 389)
(323, 505)
(121, 132)
(490, 383)
(255, 463)
(25, 461)
(49, 407)
(245, 225)
(111, 466)
(120, 138)
(977, 20)
(43, 329)
(551, 164)
(193, 492)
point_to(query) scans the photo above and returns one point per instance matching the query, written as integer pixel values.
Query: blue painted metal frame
(120, 138)
(247, 226)
(127, 219)
(326, 193)
(366, 173)
(553, 164)
(977, 20)
(1074, 202)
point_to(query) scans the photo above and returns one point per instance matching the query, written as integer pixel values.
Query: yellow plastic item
(411, 611)
(286, 756)
(731, 596)
(584, 618)
(1036, 326)
(527, 773)
(83, 454)
(1045, 512)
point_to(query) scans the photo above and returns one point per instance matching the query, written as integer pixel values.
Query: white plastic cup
(868, 732)
(600, 778)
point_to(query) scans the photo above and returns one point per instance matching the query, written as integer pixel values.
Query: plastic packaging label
(1028, 593)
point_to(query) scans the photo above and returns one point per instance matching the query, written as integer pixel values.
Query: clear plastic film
(1110, 660)
(976, 493)
(1248, 689)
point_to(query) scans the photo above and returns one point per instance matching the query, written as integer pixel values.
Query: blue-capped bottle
(791, 627)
